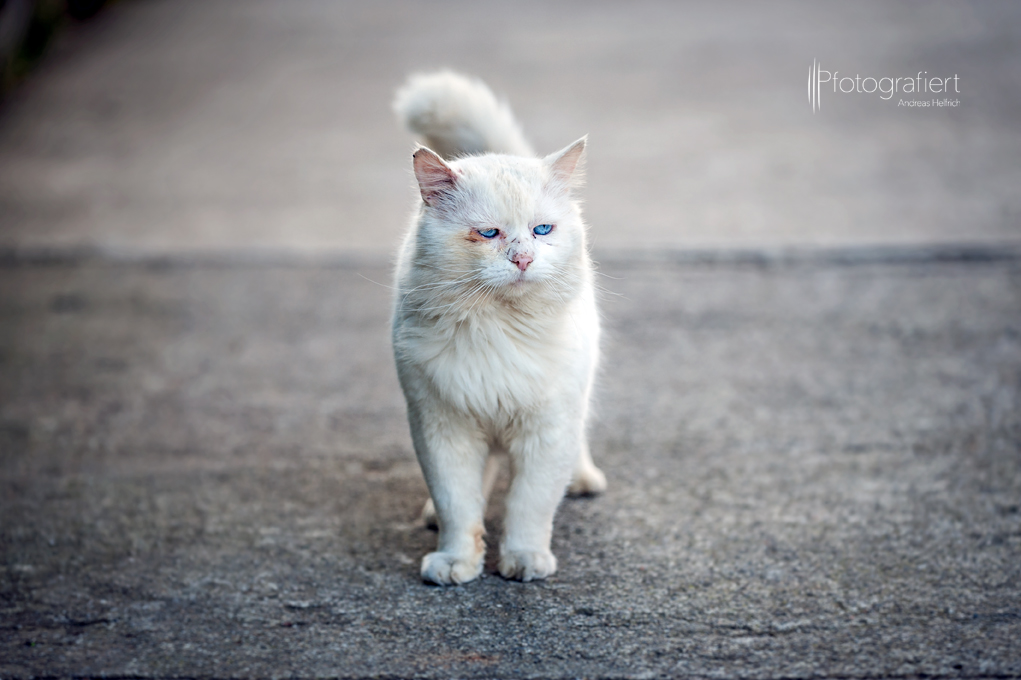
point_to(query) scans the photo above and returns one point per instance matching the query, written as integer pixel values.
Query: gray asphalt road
(809, 413)
(814, 472)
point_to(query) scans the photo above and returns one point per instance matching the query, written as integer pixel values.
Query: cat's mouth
(517, 283)
(521, 279)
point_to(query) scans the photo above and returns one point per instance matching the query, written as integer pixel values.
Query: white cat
(495, 329)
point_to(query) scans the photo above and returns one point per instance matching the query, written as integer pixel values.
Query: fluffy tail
(457, 116)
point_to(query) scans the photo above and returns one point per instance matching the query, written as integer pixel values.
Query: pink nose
(522, 260)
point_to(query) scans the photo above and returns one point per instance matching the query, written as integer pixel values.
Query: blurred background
(206, 127)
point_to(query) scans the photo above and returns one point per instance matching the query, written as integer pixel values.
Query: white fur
(493, 357)
(455, 116)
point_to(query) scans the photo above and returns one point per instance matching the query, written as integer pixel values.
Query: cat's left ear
(568, 164)
(435, 177)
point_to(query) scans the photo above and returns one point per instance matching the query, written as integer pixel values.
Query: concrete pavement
(814, 472)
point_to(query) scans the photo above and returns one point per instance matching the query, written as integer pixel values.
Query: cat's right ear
(568, 164)
(434, 176)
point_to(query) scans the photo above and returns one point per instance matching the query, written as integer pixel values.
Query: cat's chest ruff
(491, 365)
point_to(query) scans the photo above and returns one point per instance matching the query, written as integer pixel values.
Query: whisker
(460, 299)
(376, 282)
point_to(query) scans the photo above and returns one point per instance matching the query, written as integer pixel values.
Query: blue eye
(490, 233)
(542, 229)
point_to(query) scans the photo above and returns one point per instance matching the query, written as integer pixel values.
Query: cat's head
(507, 224)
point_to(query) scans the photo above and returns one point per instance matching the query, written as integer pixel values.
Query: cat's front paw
(524, 565)
(447, 569)
(587, 481)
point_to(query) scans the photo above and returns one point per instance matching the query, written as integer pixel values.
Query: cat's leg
(587, 480)
(489, 476)
(541, 460)
(452, 453)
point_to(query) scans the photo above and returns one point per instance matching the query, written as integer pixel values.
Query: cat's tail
(458, 116)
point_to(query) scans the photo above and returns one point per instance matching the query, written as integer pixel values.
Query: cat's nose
(522, 260)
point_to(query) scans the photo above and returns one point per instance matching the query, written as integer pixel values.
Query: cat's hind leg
(489, 476)
(587, 479)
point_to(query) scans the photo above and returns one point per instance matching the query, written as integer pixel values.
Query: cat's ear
(434, 176)
(568, 164)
